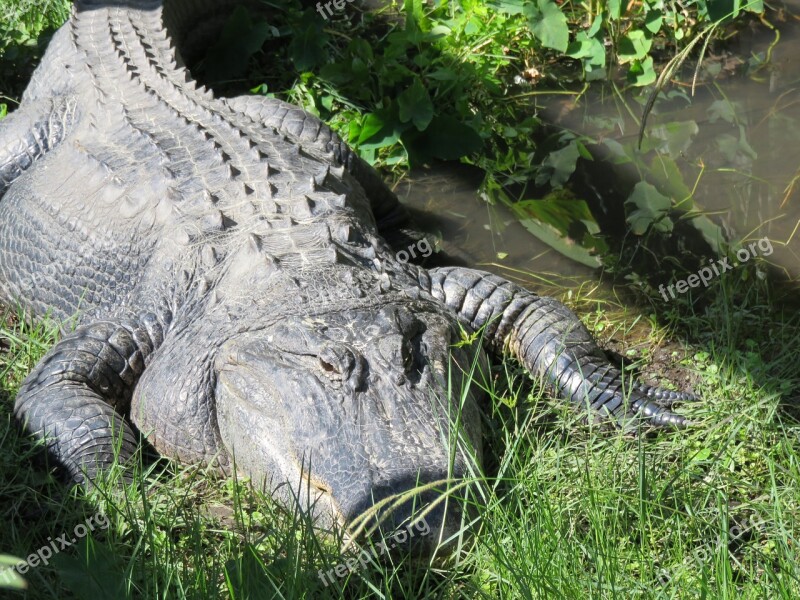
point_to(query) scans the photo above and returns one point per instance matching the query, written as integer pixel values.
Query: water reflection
(734, 142)
(483, 235)
(729, 152)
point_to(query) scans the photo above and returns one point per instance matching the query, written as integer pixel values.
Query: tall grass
(567, 511)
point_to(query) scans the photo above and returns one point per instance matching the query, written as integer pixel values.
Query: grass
(570, 511)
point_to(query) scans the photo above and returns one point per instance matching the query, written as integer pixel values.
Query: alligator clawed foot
(652, 406)
(665, 398)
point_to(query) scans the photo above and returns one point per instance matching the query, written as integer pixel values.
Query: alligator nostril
(328, 367)
(336, 360)
(341, 363)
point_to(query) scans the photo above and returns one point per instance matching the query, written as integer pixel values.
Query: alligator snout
(413, 517)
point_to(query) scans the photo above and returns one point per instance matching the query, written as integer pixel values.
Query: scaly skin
(235, 293)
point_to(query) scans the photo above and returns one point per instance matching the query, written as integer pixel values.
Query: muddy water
(475, 233)
(740, 155)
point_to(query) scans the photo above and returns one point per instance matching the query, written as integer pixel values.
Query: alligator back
(148, 180)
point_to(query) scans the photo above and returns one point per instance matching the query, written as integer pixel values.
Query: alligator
(233, 277)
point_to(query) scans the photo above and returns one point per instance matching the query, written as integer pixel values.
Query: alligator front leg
(77, 394)
(552, 343)
(29, 133)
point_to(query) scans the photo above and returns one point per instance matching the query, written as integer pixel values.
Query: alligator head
(351, 408)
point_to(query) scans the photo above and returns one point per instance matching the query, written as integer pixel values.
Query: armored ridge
(232, 265)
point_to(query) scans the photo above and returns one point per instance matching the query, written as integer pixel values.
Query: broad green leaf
(595, 27)
(567, 247)
(508, 7)
(642, 73)
(447, 138)
(634, 46)
(735, 149)
(585, 47)
(719, 10)
(307, 48)
(591, 53)
(722, 109)
(616, 8)
(371, 125)
(672, 138)
(559, 166)
(415, 9)
(555, 220)
(442, 74)
(415, 105)
(438, 32)
(550, 26)
(559, 211)
(583, 150)
(653, 20)
(755, 6)
(551, 220)
(652, 208)
(668, 178)
(387, 135)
